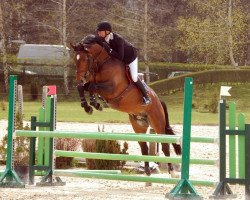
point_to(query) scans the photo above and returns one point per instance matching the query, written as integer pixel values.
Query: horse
(108, 78)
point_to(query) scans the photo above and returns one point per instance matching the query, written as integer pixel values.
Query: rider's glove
(107, 47)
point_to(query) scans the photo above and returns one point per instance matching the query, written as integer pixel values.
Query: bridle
(94, 64)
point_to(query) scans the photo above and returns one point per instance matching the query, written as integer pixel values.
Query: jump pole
(184, 188)
(10, 178)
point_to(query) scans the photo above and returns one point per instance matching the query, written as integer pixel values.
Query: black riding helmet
(104, 26)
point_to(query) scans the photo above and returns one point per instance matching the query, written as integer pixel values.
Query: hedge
(210, 76)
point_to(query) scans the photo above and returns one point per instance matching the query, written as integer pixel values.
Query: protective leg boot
(146, 99)
(94, 103)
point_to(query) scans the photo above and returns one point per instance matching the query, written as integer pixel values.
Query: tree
(64, 42)
(3, 48)
(214, 32)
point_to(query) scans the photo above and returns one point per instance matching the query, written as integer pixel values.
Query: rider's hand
(106, 47)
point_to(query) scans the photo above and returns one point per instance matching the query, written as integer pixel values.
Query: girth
(117, 99)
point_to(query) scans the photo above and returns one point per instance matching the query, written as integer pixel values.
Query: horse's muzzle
(83, 78)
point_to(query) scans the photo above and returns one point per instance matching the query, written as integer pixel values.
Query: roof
(43, 54)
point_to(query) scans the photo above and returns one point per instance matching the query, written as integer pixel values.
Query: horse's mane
(90, 39)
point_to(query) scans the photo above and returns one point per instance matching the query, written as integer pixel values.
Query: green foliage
(3, 105)
(88, 145)
(20, 145)
(213, 104)
(66, 144)
(205, 32)
(212, 76)
(104, 146)
(34, 88)
(3, 147)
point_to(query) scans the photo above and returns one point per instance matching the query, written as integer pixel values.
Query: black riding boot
(146, 98)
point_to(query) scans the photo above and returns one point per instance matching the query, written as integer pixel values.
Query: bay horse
(107, 77)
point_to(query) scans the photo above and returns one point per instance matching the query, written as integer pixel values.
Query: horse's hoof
(147, 172)
(89, 110)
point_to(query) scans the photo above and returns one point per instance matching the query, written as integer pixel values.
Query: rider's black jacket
(121, 49)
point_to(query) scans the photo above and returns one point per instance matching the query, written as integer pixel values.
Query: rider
(119, 48)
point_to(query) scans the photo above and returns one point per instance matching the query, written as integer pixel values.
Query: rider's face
(101, 34)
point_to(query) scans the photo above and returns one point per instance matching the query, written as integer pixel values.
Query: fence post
(184, 188)
(9, 173)
(247, 162)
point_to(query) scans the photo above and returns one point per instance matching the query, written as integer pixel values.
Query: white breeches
(133, 68)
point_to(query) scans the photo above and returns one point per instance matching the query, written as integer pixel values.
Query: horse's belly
(131, 103)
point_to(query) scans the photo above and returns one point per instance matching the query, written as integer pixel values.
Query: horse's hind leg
(166, 151)
(158, 123)
(141, 127)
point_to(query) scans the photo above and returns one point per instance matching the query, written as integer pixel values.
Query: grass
(71, 111)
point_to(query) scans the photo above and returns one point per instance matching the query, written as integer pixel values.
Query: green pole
(107, 156)
(188, 93)
(40, 150)
(10, 176)
(11, 120)
(47, 140)
(241, 146)
(100, 136)
(222, 188)
(185, 189)
(247, 161)
(123, 177)
(232, 141)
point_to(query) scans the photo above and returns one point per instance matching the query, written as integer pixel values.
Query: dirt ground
(79, 188)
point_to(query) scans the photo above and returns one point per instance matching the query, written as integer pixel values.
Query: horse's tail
(169, 130)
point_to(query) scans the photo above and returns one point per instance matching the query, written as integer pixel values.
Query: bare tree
(64, 42)
(3, 48)
(145, 40)
(230, 34)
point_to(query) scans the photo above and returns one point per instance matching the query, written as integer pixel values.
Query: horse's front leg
(88, 109)
(144, 151)
(94, 103)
